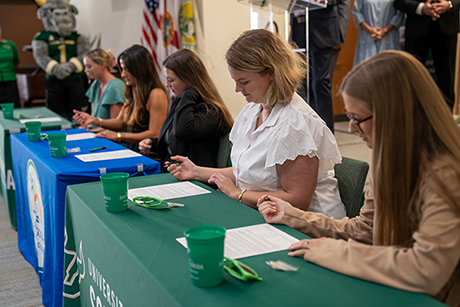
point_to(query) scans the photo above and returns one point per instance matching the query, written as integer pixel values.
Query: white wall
(119, 23)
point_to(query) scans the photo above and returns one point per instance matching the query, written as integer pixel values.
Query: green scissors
(154, 203)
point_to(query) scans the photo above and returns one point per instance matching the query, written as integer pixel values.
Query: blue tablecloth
(50, 121)
(41, 183)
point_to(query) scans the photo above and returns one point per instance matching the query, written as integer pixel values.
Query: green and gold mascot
(59, 52)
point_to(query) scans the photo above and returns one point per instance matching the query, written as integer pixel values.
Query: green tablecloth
(132, 259)
(10, 126)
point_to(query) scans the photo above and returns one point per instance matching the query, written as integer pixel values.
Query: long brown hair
(138, 62)
(261, 51)
(413, 128)
(188, 67)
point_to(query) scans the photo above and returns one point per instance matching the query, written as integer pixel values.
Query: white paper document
(253, 240)
(80, 136)
(168, 191)
(110, 155)
(41, 119)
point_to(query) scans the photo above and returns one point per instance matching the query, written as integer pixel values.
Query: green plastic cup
(58, 146)
(34, 130)
(8, 110)
(115, 187)
(205, 247)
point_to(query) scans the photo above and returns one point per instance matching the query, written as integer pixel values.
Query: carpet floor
(19, 284)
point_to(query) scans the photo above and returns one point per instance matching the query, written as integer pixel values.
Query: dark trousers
(9, 93)
(443, 49)
(320, 91)
(63, 96)
(320, 96)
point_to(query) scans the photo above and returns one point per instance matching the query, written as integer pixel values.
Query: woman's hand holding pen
(224, 185)
(182, 168)
(144, 146)
(271, 208)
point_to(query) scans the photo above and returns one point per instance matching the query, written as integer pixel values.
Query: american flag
(160, 28)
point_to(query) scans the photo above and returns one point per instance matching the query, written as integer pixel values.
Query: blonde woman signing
(106, 91)
(146, 102)
(279, 143)
(407, 235)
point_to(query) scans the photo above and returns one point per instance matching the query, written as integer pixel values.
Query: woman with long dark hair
(146, 104)
(198, 117)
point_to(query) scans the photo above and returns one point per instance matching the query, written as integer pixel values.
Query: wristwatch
(119, 137)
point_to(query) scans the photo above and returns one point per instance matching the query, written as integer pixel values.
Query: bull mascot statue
(59, 51)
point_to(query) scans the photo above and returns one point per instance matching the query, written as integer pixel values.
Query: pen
(99, 148)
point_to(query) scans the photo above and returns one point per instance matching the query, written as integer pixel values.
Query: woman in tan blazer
(407, 235)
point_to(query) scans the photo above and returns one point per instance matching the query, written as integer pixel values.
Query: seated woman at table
(106, 91)
(198, 117)
(407, 235)
(146, 102)
(279, 143)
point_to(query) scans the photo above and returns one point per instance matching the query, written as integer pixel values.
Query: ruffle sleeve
(302, 134)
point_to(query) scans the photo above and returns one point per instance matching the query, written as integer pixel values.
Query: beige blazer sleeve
(427, 266)
(319, 225)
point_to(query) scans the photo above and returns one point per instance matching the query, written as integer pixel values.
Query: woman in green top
(8, 61)
(106, 93)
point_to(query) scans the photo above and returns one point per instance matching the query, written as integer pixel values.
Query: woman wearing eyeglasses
(279, 143)
(407, 235)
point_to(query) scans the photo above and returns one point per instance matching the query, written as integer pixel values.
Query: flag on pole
(192, 32)
(160, 28)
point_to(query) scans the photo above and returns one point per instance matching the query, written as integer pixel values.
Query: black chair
(351, 175)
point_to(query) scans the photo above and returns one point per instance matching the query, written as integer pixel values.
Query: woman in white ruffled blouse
(279, 143)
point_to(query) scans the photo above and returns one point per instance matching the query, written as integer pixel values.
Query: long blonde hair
(261, 51)
(413, 127)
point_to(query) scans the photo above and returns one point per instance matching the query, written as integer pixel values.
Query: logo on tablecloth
(37, 216)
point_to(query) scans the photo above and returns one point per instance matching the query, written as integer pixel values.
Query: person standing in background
(433, 25)
(344, 11)
(9, 60)
(378, 22)
(324, 34)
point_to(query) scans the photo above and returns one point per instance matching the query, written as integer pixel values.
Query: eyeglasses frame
(356, 122)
